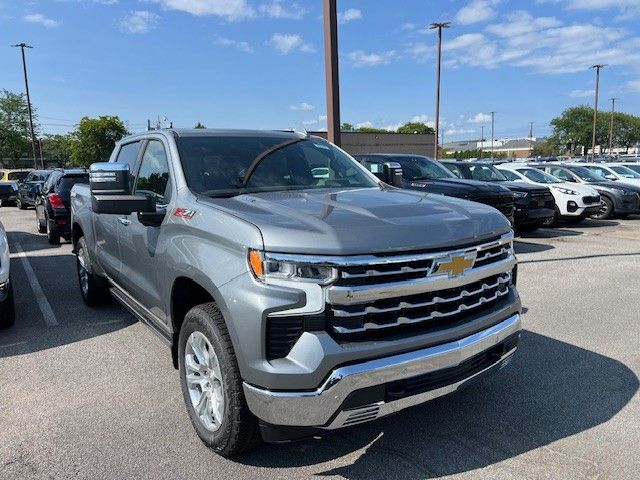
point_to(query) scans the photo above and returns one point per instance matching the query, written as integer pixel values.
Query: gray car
(616, 198)
(296, 291)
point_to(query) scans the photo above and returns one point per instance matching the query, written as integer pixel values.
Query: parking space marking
(45, 307)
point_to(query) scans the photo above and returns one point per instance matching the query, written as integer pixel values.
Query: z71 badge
(184, 213)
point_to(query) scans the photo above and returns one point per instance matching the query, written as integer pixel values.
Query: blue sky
(259, 63)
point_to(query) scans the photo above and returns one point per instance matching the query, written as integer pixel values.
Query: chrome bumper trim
(317, 408)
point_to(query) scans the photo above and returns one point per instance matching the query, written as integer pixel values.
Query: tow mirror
(111, 191)
(393, 173)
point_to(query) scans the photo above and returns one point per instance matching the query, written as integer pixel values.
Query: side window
(455, 169)
(512, 177)
(374, 167)
(129, 154)
(153, 177)
(561, 174)
(48, 185)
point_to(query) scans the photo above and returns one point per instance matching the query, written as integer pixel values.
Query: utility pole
(613, 109)
(22, 46)
(481, 140)
(493, 125)
(530, 139)
(598, 67)
(439, 26)
(332, 75)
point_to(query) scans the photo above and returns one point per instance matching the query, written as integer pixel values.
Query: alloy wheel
(83, 274)
(204, 381)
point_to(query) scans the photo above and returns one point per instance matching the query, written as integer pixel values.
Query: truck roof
(214, 132)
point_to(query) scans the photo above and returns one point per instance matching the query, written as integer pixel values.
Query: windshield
(625, 172)
(586, 174)
(635, 168)
(17, 176)
(537, 176)
(422, 168)
(216, 166)
(486, 173)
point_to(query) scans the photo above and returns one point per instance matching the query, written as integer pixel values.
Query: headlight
(566, 191)
(519, 194)
(264, 267)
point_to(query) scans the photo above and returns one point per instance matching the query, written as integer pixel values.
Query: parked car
(426, 175)
(14, 176)
(7, 308)
(534, 205)
(615, 198)
(52, 202)
(292, 302)
(28, 189)
(574, 202)
(632, 166)
(615, 173)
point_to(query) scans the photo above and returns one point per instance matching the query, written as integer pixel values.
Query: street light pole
(613, 109)
(22, 46)
(530, 139)
(439, 26)
(493, 125)
(481, 141)
(598, 67)
(331, 70)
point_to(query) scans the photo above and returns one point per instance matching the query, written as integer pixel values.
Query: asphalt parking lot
(93, 393)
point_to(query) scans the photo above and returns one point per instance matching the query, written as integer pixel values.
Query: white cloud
(287, 43)
(303, 107)
(480, 118)
(140, 21)
(408, 26)
(310, 122)
(457, 131)
(543, 45)
(229, 42)
(360, 58)
(349, 15)
(420, 51)
(632, 86)
(582, 93)
(422, 119)
(276, 9)
(366, 124)
(231, 10)
(477, 11)
(41, 20)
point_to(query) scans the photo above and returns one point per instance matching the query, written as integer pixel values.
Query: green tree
(372, 130)
(545, 148)
(15, 135)
(200, 125)
(347, 127)
(94, 139)
(415, 127)
(58, 148)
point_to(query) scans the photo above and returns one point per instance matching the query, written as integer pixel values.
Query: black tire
(20, 204)
(553, 220)
(239, 430)
(96, 291)
(8, 310)
(52, 238)
(41, 228)
(606, 209)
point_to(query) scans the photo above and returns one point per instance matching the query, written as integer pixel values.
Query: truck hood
(360, 221)
(457, 187)
(523, 187)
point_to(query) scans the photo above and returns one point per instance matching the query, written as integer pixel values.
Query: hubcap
(83, 275)
(204, 381)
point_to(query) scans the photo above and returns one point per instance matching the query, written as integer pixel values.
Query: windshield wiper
(258, 160)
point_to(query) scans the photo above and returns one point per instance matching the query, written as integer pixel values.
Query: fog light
(572, 206)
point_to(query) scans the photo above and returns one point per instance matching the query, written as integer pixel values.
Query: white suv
(574, 202)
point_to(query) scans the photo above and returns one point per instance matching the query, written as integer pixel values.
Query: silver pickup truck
(297, 292)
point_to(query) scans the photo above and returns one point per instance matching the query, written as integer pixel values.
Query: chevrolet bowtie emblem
(455, 265)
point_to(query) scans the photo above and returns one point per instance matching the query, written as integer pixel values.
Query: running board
(140, 314)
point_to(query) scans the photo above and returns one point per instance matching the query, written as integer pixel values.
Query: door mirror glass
(109, 179)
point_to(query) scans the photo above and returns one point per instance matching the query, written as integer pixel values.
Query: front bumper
(526, 215)
(332, 405)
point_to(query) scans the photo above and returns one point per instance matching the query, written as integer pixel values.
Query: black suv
(52, 201)
(426, 175)
(29, 187)
(535, 205)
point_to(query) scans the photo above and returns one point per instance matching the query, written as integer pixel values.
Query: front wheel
(94, 289)
(20, 204)
(211, 383)
(606, 209)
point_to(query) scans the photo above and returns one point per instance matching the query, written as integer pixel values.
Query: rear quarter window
(66, 183)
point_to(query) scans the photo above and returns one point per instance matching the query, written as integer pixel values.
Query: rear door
(105, 226)
(142, 248)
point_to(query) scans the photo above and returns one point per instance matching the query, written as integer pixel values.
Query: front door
(142, 248)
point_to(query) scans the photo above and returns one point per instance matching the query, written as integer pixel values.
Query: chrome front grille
(391, 294)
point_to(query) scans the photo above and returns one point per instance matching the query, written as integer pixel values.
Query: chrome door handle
(124, 221)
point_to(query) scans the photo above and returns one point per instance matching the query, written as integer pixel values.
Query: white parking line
(45, 307)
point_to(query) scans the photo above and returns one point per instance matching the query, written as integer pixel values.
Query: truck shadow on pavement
(551, 390)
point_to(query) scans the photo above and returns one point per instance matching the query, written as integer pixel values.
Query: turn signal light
(55, 200)
(255, 261)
